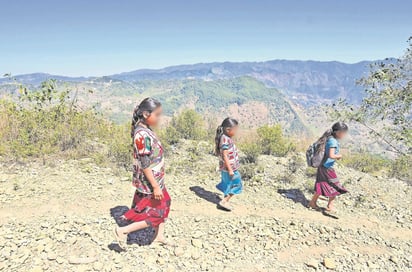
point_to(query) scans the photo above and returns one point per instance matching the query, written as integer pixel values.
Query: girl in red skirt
(151, 202)
(327, 183)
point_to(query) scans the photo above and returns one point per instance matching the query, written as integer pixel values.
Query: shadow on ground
(142, 237)
(328, 214)
(206, 195)
(296, 195)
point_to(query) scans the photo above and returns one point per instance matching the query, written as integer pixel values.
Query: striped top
(227, 143)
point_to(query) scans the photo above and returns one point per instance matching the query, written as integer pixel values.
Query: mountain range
(305, 82)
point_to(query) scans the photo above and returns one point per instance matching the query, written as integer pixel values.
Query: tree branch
(395, 149)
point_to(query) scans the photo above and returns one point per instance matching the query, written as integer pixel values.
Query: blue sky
(101, 37)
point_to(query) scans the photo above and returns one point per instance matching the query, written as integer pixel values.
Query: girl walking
(327, 183)
(151, 202)
(231, 183)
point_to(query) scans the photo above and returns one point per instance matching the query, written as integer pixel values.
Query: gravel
(59, 218)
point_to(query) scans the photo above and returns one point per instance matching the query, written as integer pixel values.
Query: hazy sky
(98, 37)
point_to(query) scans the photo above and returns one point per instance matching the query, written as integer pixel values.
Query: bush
(401, 168)
(120, 145)
(365, 162)
(45, 122)
(170, 135)
(368, 163)
(187, 125)
(48, 121)
(273, 142)
(311, 172)
(296, 162)
(252, 150)
(248, 171)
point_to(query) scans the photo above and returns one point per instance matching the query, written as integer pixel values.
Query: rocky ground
(59, 217)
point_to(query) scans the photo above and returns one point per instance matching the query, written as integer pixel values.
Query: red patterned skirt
(327, 183)
(146, 208)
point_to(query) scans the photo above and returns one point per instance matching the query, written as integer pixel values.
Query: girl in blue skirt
(231, 183)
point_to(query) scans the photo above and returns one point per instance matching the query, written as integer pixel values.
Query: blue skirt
(230, 185)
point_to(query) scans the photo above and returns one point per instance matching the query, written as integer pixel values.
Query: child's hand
(157, 193)
(231, 173)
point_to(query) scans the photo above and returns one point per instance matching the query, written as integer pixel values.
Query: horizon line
(185, 64)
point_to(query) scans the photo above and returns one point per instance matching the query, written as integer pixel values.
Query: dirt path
(67, 212)
(84, 206)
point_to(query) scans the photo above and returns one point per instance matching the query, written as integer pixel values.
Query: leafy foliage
(387, 108)
(402, 168)
(365, 162)
(369, 163)
(187, 125)
(44, 122)
(249, 171)
(272, 141)
(269, 141)
(252, 150)
(49, 121)
(120, 148)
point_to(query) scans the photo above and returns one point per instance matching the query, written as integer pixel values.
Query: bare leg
(227, 198)
(159, 234)
(132, 227)
(225, 202)
(330, 203)
(120, 233)
(312, 203)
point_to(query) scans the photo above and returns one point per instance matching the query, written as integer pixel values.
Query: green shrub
(401, 168)
(170, 134)
(273, 142)
(296, 163)
(187, 125)
(194, 153)
(252, 150)
(248, 171)
(365, 162)
(120, 145)
(309, 185)
(48, 121)
(311, 172)
(45, 122)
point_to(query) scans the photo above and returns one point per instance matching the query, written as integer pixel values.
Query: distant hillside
(37, 78)
(245, 98)
(257, 93)
(306, 82)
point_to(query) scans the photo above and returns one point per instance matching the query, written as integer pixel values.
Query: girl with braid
(231, 182)
(151, 202)
(327, 182)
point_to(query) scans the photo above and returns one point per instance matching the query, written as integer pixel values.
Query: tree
(386, 108)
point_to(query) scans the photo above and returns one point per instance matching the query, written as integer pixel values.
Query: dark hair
(227, 123)
(338, 126)
(147, 105)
